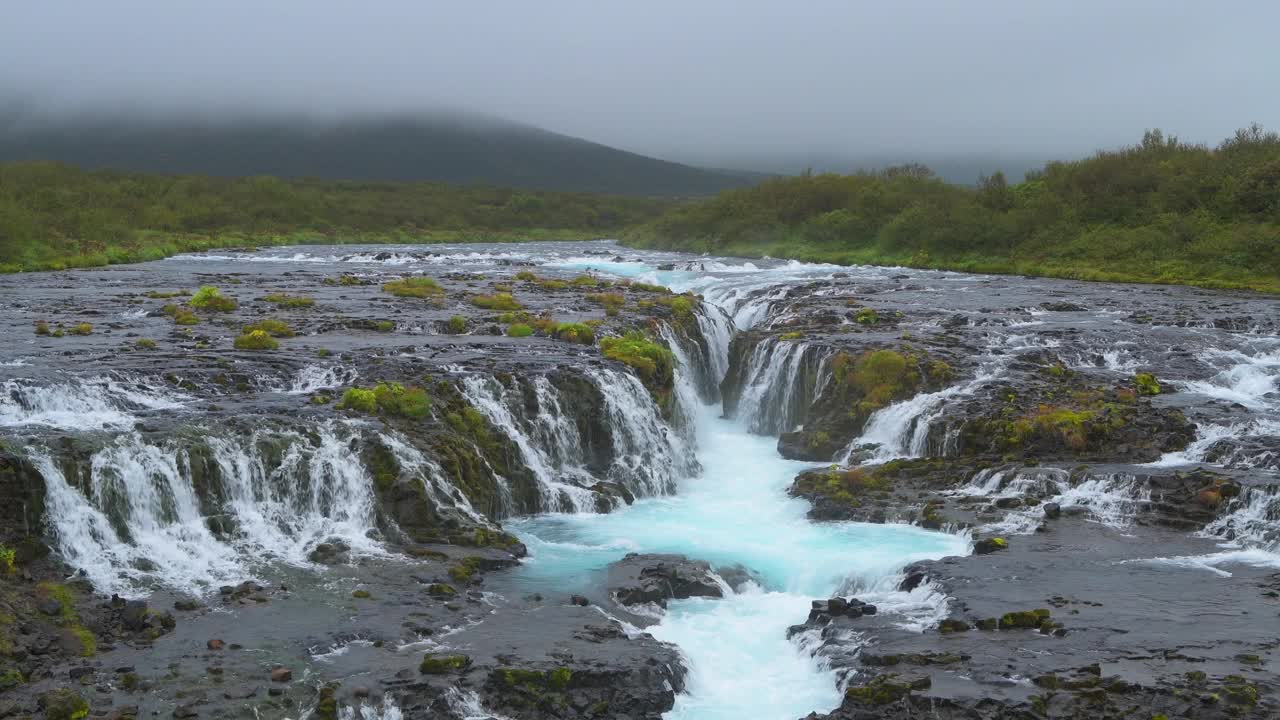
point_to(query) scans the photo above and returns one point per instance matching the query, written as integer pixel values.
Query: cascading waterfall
(94, 403)
(320, 377)
(901, 430)
(647, 456)
(775, 394)
(1248, 534)
(138, 521)
(444, 495)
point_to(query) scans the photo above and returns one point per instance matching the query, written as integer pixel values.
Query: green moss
(574, 333)
(7, 560)
(519, 330)
(559, 678)
(385, 326)
(81, 329)
(866, 316)
(463, 571)
(64, 704)
(359, 399)
(87, 641)
(612, 302)
(289, 301)
(10, 680)
(876, 378)
(650, 360)
(527, 276)
(145, 344)
(1146, 384)
(361, 594)
(794, 335)
(414, 287)
(441, 590)
(391, 399)
(497, 301)
(42, 327)
(649, 288)
(1023, 619)
(164, 295)
(457, 325)
(272, 327)
(436, 664)
(256, 340)
(210, 299)
(882, 690)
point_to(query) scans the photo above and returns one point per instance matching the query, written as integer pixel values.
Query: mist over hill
(444, 147)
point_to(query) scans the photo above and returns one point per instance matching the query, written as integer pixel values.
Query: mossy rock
(437, 664)
(1024, 619)
(64, 704)
(886, 689)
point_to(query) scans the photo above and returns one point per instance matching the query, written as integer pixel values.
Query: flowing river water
(715, 491)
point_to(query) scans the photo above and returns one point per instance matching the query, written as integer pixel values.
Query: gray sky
(700, 80)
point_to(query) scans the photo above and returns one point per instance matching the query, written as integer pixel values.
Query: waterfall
(137, 519)
(94, 403)
(1252, 520)
(782, 382)
(444, 495)
(320, 377)
(717, 330)
(901, 430)
(645, 455)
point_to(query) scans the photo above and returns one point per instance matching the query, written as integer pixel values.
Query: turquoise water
(736, 512)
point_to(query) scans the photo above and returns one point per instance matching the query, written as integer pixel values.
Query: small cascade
(94, 403)
(313, 378)
(902, 430)
(783, 379)
(717, 330)
(1252, 520)
(444, 495)
(137, 518)
(385, 710)
(636, 449)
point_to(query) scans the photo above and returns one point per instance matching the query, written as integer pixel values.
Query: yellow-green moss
(497, 301)
(256, 340)
(415, 287)
(211, 299)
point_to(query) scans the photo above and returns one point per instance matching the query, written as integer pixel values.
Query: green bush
(519, 330)
(416, 287)
(289, 301)
(256, 340)
(211, 299)
(651, 360)
(270, 326)
(81, 329)
(145, 344)
(7, 560)
(574, 333)
(457, 325)
(497, 301)
(1146, 384)
(391, 399)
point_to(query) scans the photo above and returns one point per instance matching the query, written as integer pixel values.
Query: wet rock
(579, 600)
(63, 704)
(333, 552)
(1062, 306)
(186, 605)
(1052, 510)
(645, 578)
(986, 546)
(214, 644)
(281, 675)
(135, 615)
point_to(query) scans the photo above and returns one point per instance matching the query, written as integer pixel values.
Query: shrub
(145, 344)
(794, 335)
(866, 316)
(519, 330)
(574, 333)
(256, 340)
(1146, 384)
(457, 325)
(42, 327)
(8, 557)
(81, 329)
(209, 298)
(387, 399)
(527, 276)
(163, 295)
(289, 301)
(589, 281)
(359, 399)
(497, 301)
(417, 287)
(384, 326)
(612, 302)
(270, 326)
(651, 360)
(646, 287)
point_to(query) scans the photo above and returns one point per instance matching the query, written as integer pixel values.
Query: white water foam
(94, 403)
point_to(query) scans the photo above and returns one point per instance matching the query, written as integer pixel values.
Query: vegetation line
(1161, 211)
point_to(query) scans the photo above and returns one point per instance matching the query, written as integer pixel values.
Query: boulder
(646, 578)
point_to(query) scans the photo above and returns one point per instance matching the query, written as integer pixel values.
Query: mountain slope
(452, 148)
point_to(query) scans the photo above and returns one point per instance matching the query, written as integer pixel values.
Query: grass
(289, 301)
(256, 340)
(145, 344)
(612, 302)
(457, 325)
(574, 333)
(414, 287)
(652, 361)
(272, 327)
(391, 399)
(497, 301)
(519, 330)
(211, 299)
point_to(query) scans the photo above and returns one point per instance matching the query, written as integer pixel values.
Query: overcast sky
(684, 79)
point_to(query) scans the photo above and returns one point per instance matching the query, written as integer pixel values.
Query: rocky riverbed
(576, 480)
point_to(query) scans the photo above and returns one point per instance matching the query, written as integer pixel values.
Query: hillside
(456, 149)
(1158, 211)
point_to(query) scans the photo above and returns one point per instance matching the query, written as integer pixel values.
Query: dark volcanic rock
(643, 578)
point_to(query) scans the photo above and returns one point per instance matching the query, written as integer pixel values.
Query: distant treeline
(55, 216)
(1159, 211)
